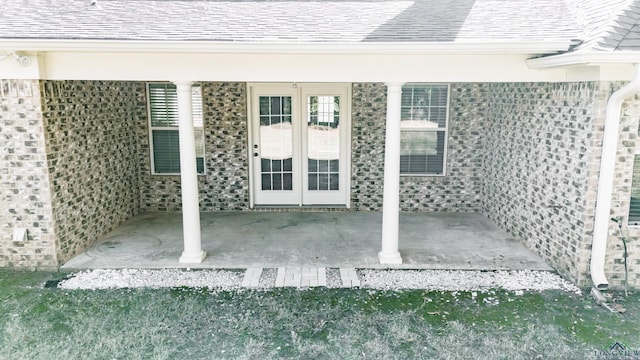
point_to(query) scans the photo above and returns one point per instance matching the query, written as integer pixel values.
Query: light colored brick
(252, 277)
(349, 277)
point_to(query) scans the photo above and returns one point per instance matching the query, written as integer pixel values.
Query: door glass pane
(313, 182)
(333, 182)
(287, 180)
(277, 181)
(287, 165)
(323, 142)
(276, 142)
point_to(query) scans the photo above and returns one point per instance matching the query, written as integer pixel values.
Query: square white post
(193, 253)
(391, 196)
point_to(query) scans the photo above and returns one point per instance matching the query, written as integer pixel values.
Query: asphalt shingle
(289, 21)
(610, 25)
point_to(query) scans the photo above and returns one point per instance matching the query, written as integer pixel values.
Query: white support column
(391, 197)
(193, 253)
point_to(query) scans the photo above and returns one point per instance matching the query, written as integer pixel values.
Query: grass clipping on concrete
(186, 323)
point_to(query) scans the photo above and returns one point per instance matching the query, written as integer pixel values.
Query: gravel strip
(333, 278)
(458, 280)
(145, 278)
(446, 280)
(268, 278)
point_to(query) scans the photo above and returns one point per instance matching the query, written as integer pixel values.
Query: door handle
(255, 154)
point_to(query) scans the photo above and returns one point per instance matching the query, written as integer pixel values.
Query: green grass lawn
(49, 323)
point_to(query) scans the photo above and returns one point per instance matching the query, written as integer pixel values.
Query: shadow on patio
(324, 239)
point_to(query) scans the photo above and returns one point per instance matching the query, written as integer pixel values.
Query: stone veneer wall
(92, 156)
(225, 185)
(541, 162)
(25, 198)
(368, 112)
(459, 190)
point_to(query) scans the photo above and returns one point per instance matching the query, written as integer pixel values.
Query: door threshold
(303, 207)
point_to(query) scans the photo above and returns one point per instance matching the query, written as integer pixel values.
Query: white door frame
(300, 167)
(341, 196)
(283, 197)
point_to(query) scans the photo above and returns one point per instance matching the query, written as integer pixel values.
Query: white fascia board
(292, 67)
(140, 46)
(585, 58)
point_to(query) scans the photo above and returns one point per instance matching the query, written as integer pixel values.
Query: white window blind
(423, 126)
(163, 118)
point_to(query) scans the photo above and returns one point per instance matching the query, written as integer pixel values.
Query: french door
(300, 144)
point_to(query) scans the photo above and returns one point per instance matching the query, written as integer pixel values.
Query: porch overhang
(456, 61)
(544, 46)
(585, 58)
(590, 65)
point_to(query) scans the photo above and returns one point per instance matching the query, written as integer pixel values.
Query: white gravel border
(149, 278)
(445, 280)
(469, 280)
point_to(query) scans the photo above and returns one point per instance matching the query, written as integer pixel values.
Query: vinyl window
(163, 119)
(634, 206)
(424, 118)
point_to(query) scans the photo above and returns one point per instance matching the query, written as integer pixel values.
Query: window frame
(444, 130)
(152, 128)
(635, 225)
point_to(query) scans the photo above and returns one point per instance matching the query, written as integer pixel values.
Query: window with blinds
(423, 124)
(163, 118)
(634, 206)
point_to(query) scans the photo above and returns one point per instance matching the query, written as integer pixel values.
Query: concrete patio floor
(315, 239)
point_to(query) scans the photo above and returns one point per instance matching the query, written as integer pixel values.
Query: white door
(300, 144)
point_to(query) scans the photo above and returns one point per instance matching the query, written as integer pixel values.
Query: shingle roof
(290, 21)
(611, 25)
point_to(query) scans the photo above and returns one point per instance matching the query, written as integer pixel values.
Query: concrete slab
(312, 239)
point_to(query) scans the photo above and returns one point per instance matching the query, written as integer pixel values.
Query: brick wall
(459, 190)
(225, 185)
(368, 109)
(540, 166)
(25, 198)
(92, 156)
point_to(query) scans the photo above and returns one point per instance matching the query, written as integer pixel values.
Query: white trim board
(547, 46)
(256, 67)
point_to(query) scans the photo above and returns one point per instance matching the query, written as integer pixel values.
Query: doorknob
(255, 154)
(255, 146)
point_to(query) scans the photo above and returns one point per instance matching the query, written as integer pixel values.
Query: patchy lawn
(49, 323)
